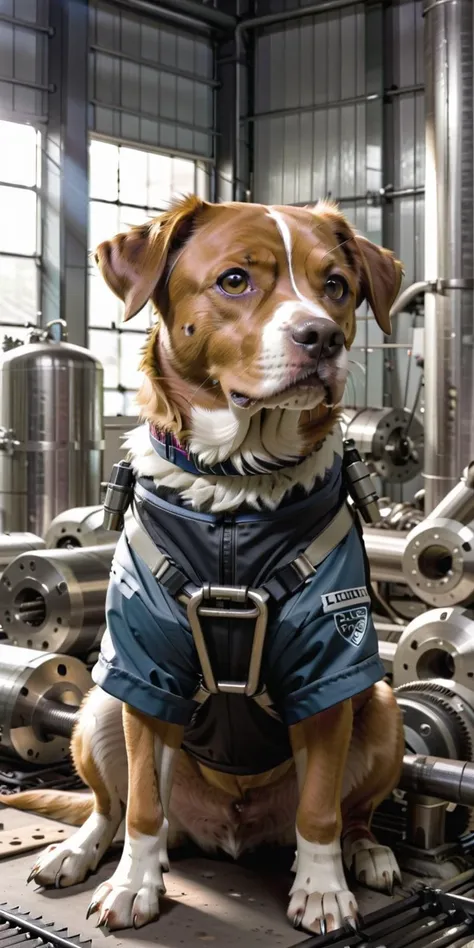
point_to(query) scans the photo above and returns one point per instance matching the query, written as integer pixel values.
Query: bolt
(425, 729)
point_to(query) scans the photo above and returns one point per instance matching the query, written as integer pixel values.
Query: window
(19, 236)
(127, 186)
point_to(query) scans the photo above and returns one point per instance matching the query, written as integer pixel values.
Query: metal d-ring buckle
(258, 612)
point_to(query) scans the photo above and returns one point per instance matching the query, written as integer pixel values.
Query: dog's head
(257, 304)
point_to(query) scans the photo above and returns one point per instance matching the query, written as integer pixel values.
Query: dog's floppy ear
(133, 263)
(380, 280)
(379, 273)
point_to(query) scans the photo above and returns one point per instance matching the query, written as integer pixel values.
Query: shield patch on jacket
(352, 624)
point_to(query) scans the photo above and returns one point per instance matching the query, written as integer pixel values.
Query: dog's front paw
(319, 899)
(71, 861)
(373, 865)
(321, 912)
(131, 897)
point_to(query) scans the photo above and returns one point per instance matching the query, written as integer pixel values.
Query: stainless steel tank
(51, 431)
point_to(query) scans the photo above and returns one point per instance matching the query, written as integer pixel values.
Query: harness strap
(283, 584)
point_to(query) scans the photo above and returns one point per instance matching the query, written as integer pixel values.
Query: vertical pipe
(449, 198)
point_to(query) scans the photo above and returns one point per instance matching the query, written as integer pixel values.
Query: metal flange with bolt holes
(39, 695)
(438, 644)
(389, 440)
(438, 562)
(80, 526)
(54, 600)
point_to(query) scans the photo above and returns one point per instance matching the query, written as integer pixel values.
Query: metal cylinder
(385, 550)
(54, 600)
(437, 644)
(459, 502)
(51, 432)
(38, 696)
(12, 544)
(449, 257)
(387, 440)
(81, 526)
(438, 562)
(450, 780)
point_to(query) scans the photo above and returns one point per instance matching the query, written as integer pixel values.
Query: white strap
(330, 538)
(142, 543)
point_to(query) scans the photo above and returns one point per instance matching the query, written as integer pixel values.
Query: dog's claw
(298, 918)
(32, 874)
(93, 907)
(323, 926)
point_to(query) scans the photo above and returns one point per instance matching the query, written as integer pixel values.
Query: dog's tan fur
(347, 758)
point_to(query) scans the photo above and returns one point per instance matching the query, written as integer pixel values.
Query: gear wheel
(439, 722)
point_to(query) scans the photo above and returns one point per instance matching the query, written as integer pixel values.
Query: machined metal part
(437, 644)
(12, 544)
(54, 600)
(359, 482)
(458, 504)
(438, 719)
(451, 780)
(389, 440)
(398, 515)
(51, 431)
(258, 613)
(438, 562)
(39, 695)
(81, 526)
(449, 198)
(118, 495)
(385, 550)
(426, 822)
(18, 926)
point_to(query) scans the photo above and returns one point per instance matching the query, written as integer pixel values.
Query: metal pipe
(458, 503)
(449, 187)
(385, 550)
(387, 649)
(55, 718)
(411, 292)
(270, 19)
(335, 104)
(152, 64)
(187, 13)
(25, 24)
(450, 780)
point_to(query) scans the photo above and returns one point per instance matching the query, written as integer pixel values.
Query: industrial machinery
(12, 544)
(54, 600)
(81, 526)
(51, 430)
(390, 440)
(39, 696)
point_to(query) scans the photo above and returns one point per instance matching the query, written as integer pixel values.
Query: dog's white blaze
(274, 357)
(284, 231)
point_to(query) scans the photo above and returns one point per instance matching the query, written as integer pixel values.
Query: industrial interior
(108, 109)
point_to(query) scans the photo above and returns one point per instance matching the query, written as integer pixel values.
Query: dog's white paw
(70, 862)
(373, 865)
(131, 897)
(321, 912)
(319, 899)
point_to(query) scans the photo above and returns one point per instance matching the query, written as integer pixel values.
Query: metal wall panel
(150, 84)
(24, 60)
(327, 129)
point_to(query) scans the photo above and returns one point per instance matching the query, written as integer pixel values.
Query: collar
(168, 447)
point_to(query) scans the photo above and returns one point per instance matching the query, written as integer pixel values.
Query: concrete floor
(208, 900)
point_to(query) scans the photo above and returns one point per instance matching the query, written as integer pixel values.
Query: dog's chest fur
(220, 435)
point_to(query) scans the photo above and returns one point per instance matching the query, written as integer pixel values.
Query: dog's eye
(233, 282)
(336, 288)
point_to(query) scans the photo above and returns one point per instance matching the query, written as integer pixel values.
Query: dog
(292, 736)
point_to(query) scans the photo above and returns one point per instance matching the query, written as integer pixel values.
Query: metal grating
(13, 779)
(18, 927)
(431, 918)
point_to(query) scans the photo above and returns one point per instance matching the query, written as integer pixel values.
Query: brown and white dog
(244, 293)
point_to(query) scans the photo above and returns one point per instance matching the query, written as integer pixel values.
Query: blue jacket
(320, 648)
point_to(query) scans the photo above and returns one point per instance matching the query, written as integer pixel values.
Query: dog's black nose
(318, 337)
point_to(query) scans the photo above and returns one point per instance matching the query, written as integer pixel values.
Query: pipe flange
(54, 600)
(27, 678)
(438, 644)
(80, 526)
(438, 562)
(381, 437)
